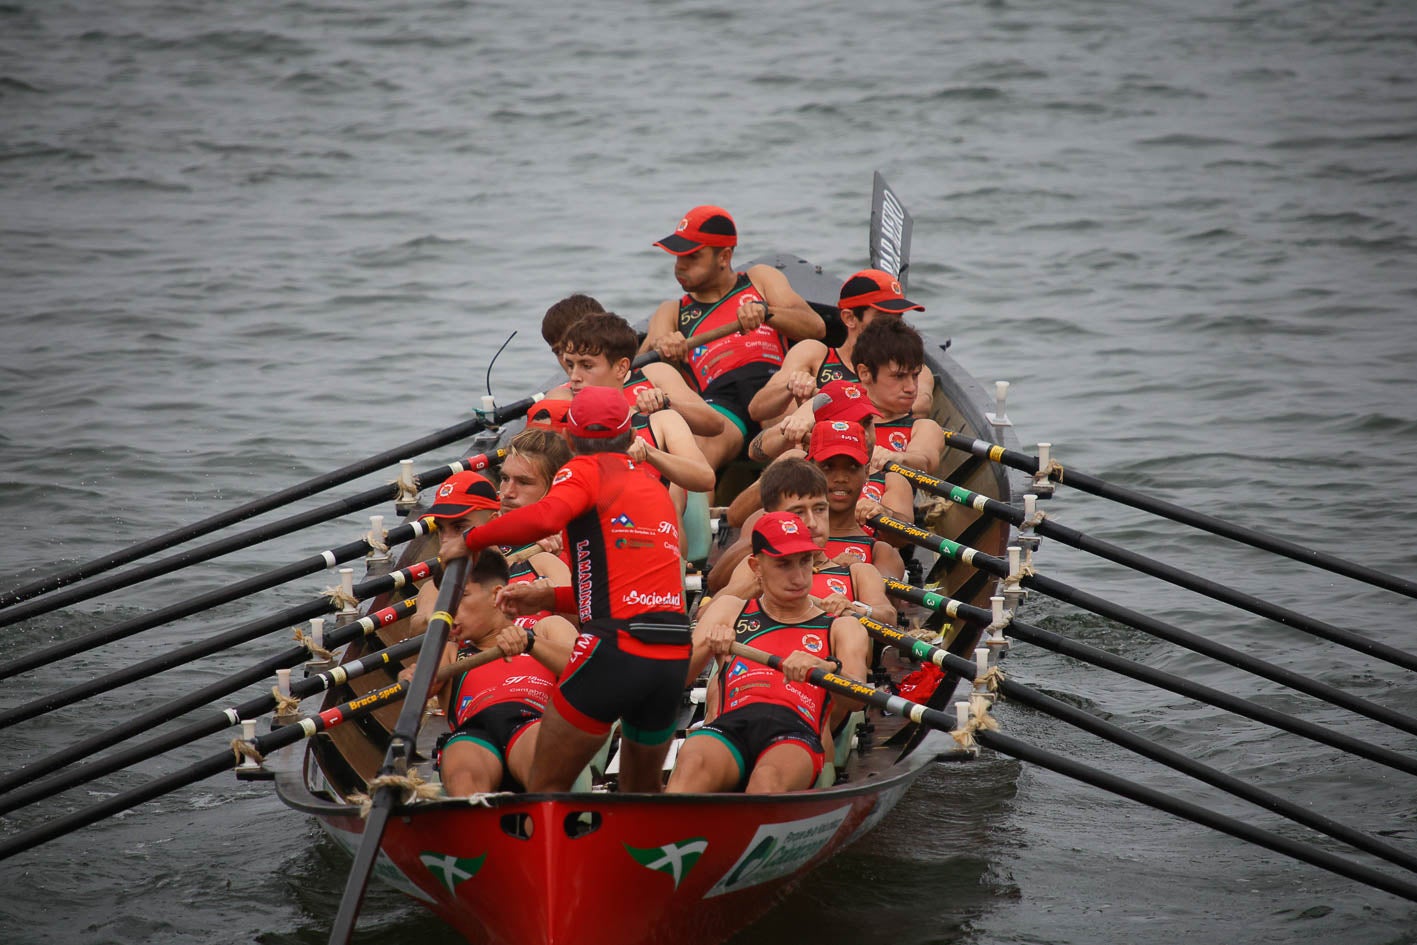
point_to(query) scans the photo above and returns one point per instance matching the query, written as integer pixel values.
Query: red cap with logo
(548, 413)
(838, 438)
(848, 401)
(778, 534)
(598, 413)
(462, 493)
(877, 289)
(701, 226)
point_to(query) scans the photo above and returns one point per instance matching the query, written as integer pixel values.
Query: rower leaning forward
(630, 660)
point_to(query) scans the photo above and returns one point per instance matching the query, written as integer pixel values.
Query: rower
(810, 365)
(768, 735)
(630, 659)
(727, 372)
(562, 315)
(533, 457)
(461, 501)
(890, 357)
(494, 711)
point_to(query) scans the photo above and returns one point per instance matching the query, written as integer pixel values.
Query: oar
(401, 746)
(306, 566)
(1070, 536)
(214, 764)
(257, 506)
(1138, 500)
(1109, 782)
(722, 331)
(24, 789)
(1026, 695)
(1142, 673)
(295, 523)
(323, 604)
(1150, 625)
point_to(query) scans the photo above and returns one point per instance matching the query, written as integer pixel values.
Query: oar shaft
(1193, 582)
(1209, 523)
(214, 764)
(1152, 626)
(363, 500)
(722, 331)
(256, 507)
(1194, 812)
(260, 582)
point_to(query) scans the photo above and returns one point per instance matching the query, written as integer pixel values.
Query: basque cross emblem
(676, 859)
(451, 870)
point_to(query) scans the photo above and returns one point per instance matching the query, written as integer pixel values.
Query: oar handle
(462, 665)
(722, 331)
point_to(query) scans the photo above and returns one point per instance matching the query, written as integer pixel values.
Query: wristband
(565, 599)
(530, 639)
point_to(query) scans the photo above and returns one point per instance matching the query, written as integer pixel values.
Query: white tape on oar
(330, 560)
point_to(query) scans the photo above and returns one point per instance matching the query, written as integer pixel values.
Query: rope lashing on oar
(1155, 677)
(979, 721)
(994, 681)
(23, 788)
(306, 640)
(285, 705)
(414, 788)
(375, 539)
(213, 764)
(1150, 625)
(243, 749)
(267, 503)
(1138, 500)
(340, 599)
(394, 580)
(1069, 536)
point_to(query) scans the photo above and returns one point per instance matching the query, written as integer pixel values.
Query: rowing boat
(557, 868)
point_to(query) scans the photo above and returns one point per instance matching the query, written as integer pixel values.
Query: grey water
(244, 243)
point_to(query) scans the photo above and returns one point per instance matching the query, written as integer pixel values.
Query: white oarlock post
(378, 562)
(1014, 593)
(317, 631)
(316, 665)
(1000, 417)
(1043, 486)
(282, 717)
(408, 488)
(350, 610)
(982, 660)
(997, 642)
(961, 714)
(250, 769)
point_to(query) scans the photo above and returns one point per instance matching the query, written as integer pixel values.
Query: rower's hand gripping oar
(1146, 503)
(400, 750)
(722, 331)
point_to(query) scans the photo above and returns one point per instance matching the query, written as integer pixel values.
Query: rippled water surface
(243, 243)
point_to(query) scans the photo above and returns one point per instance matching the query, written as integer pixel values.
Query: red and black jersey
(635, 382)
(833, 579)
(520, 679)
(862, 547)
(708, 363)
(745, 682)
(833, 368)
(895, 434)
(523, 572)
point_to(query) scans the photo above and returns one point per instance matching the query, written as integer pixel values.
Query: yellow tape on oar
(442, 615)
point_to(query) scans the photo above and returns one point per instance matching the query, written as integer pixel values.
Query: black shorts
(731, 394)
(602, 683)
(494, 728)
(753, 729)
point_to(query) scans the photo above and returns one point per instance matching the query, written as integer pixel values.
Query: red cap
(462, 493)
(849, 401)
(880, 290)
(778, 534)
(702, 226)
(838, 438)
(598, 413)
(549, 414)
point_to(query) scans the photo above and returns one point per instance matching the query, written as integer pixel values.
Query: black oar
(205, 647)
(1175, 760)
(1070, 536)
(261, 582)
(32, 790)
(401, 745)
(1109, 782)
(722, 331)
(215, 764)
(295, 523)
(273, 501)
(1164, 680)
(1138, 500)
(1150, 625)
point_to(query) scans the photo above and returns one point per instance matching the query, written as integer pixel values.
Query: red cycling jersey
(707, 363)
(745, 682)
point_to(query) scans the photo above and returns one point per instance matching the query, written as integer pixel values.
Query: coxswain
(729, 371)
(627, 593)
(767, 734)
(811, 365)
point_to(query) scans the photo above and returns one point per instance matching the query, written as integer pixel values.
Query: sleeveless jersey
(745, 682)
(523, 573)
(708, 363)
(635, 382)
(520, 679)
(858, 546)
(834, 579)
(833, 368)
(895, 434)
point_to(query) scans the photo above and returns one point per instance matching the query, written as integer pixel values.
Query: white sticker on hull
(778, 850)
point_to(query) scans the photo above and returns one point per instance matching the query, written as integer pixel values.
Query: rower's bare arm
(927, 442)
(554, 638)
(702, 419)
(871, 591)
(851, 644)
(791, 314)
(662, 329)
(721, 574)
(681, 462)
(551, 567)
(793, 383)
(714, 633)
(888, 561)
(925, 396)
(427, 601)
(743, 582)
